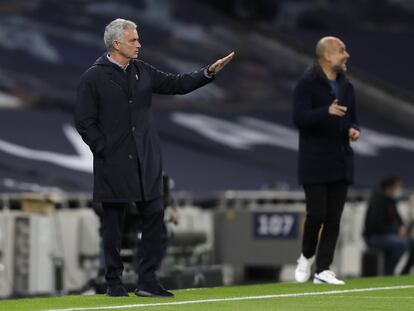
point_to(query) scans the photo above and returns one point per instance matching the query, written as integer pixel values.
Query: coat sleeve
(354, 121)
(86, 115)
(303, 114)
(171, 84)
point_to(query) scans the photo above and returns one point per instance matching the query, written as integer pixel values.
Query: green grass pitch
(397, 293)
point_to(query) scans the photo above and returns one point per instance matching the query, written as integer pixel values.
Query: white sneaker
(327, 277)
(303, 269)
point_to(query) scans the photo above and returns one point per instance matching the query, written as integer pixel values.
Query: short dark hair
(389, 181)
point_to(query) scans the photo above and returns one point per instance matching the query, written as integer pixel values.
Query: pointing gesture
(219, 64)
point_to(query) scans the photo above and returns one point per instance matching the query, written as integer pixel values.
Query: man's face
(129, 47)
(337, 56)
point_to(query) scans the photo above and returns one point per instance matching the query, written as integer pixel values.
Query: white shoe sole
(318, 281)
(300, 280)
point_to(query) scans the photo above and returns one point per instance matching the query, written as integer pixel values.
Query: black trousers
(324, 206)
(152, 221)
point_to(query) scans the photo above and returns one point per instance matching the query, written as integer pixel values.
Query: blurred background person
(384, 227)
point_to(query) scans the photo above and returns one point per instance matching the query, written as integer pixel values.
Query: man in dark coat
(324, 113)
(114, 117)
(384, 228)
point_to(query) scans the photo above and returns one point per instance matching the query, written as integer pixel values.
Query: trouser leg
(336, 196)
(315, 215)
(152, 213)
(394, 247)
(410, 261)
(113, 220)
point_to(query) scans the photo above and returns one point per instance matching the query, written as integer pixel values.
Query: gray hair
(115, 31)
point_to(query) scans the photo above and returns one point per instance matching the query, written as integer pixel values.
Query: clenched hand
(353, 134)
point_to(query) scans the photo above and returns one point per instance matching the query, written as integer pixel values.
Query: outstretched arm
(164, 83)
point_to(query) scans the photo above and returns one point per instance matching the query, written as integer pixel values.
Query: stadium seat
(372, 262)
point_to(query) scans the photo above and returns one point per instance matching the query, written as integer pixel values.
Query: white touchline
(332, 292)
(377, 297)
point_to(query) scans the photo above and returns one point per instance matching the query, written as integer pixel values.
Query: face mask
(398, 194)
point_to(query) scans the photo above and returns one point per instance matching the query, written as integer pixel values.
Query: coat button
(133, 128)
(130, 156)
(130, 101)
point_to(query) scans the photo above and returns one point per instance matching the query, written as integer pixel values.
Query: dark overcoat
(114, 117)
(325, 153)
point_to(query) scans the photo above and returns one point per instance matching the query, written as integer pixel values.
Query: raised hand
(219, 64)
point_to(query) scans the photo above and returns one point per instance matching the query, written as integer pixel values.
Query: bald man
(324, 113)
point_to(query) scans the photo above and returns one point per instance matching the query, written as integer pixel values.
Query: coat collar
(116, 63)
(316, 73)
(104, 61)
(124, 79)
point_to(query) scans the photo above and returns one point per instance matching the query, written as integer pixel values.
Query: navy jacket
(114, 117)
(382, 216)
(325, 154)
